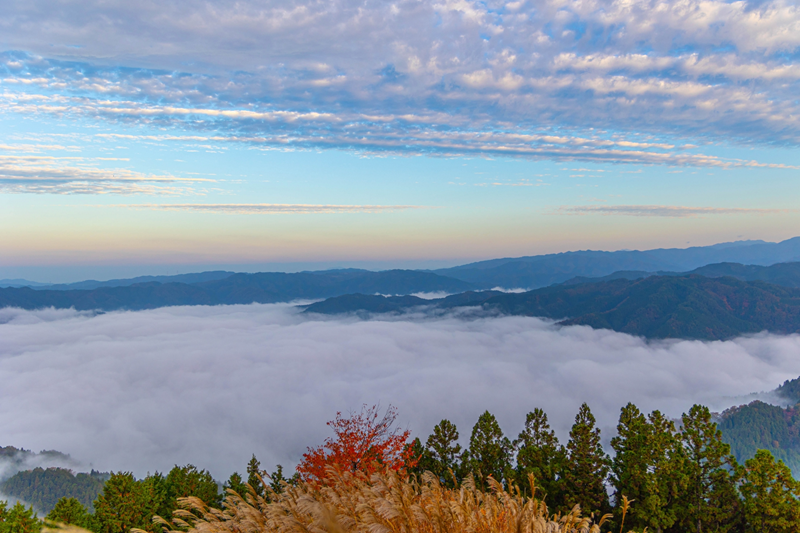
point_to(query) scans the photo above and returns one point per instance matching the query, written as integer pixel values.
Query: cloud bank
(212, 385)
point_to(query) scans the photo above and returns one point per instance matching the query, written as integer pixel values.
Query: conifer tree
(540, 454)
(489, 452)
(665, 461)
(709, 472)
(277, 480)
(183, 481)
(255, 475)
(18, 519)
(771, 496)
(70, 511)
(630, 467)
(443, 453)
(236, 484)
(125, 504)
(163, 503)
(642, 468)
(587, 467)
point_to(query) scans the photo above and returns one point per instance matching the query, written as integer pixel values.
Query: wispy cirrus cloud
(274, 209)
(46, 174)
(672, 211)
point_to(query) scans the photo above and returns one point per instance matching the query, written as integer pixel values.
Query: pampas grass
(386, 502)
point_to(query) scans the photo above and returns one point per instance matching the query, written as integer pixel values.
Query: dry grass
(384, 503)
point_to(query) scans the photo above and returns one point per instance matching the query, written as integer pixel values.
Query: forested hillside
(43, 487)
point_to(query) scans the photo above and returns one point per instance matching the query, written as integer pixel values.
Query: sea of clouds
(143, 391)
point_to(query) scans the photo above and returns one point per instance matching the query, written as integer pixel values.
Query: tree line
(664, 475)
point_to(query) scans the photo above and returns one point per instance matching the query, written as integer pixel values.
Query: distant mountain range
(234, 289)
(687, 307)
(711, 301)
(533, 272)
(544, 270)
(93, 284)
(785, 274)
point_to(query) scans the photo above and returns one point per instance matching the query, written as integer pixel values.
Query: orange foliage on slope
(364, 442)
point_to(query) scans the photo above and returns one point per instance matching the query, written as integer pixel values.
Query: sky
(143, 391)
(175, 136)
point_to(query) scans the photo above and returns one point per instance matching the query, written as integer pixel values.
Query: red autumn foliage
(363, 443)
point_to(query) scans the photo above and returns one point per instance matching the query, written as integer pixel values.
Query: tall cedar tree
(443, 453)
(771, 496)
(364, 442)
(255, 477)
(540, 454)
(630, 467)
(70, 511)
(659, 507)
(709, 475)
(125, 504)
(489, 452)
(587, 467)
(18, 519)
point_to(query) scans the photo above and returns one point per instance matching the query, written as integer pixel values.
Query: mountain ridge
(657, 307)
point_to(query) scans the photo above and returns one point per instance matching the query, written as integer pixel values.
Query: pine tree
(443, 453)
(771, 495)
(489, 452)
(70, 511)
(709, 474)
(587, 467)
(540, 454)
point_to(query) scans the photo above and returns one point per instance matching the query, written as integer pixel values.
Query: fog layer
(145, 390)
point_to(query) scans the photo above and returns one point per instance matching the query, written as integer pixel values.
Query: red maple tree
(364, 442)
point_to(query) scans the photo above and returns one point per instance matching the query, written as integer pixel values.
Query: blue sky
(165, 137)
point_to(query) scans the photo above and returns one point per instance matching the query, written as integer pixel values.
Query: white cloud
(673, 211)
(211, 385)
(46, 174)
(402, 76)
(271, 209)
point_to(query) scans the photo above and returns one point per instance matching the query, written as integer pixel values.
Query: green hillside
(43, 487)
(761, 426)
